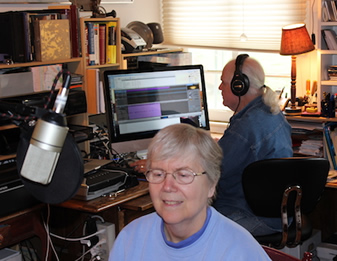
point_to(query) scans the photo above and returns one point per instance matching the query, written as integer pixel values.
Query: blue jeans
(257, 226)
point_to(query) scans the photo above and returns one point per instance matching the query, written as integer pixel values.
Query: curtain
(220, 23)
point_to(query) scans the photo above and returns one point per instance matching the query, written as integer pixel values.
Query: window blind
(220, 23)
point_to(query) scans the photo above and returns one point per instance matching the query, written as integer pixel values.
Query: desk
(135, 199)
(68, 218)
(23, 225)
(104, 203)
(324, 216)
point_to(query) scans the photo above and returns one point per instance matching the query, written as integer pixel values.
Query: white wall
(145, 11)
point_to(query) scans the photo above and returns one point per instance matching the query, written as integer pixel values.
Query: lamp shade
(295, 40)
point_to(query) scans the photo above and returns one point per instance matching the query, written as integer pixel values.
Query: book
(330, 146)
(13, 35)
(96, 43)
(334, 9)
(328, 12)
(100, 99)
(52, 40)
(75, 31)
(28, 39)
(91, 44)
(330, 39)
(111, 42)
(71, 12)
(92, 76)
(102, 43)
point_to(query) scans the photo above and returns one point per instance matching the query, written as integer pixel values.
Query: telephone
(131, 41)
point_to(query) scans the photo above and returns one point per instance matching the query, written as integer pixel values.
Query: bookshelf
(325, 56)
(93, 73)
(36, 63)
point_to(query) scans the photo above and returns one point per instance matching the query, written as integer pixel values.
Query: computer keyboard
(103, 178)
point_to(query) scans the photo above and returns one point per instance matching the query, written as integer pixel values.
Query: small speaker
(157, 33)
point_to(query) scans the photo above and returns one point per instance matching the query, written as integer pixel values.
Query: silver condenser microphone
(47, 140)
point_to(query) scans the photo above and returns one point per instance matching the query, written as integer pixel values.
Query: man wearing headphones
(258, 130)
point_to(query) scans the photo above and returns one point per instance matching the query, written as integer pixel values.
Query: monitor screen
(140, 102)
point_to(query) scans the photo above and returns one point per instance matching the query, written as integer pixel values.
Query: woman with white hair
(183, 168)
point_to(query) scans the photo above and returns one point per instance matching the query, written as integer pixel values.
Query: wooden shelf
(31, 64)
(5, 157)
(115, 65)
(311, 119)
(328, 82)
(7, 127)
(328, 52)
(159, 51)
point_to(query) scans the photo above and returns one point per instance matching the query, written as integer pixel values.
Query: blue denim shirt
(254, 134)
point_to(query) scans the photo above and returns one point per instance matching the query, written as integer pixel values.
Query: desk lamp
(295, 40)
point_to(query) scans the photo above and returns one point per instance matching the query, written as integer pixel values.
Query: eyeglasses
(182, 176)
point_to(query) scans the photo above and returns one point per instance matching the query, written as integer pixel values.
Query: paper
(43, 77)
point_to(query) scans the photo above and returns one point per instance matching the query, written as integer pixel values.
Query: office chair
(285, 187)
(277, 255)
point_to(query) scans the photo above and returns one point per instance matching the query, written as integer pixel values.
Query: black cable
(34, 249)
(237, 105)
(23, 256)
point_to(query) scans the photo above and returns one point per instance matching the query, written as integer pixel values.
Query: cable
(237, 105)
(79, 238)
(49, 241)
(90, 250)
(313, 37)
(98, 217)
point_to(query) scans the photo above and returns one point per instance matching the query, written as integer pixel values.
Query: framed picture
(30, 1)
(117, 1)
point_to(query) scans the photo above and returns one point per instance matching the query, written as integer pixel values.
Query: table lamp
(295, 40)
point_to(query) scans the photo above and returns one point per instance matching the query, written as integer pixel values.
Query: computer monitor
(139, 102)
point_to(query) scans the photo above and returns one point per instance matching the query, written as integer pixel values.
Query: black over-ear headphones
(240, 81)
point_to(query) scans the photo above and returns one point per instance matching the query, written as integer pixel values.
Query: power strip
(108, 237)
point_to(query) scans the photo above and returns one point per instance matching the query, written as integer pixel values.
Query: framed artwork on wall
(117, 1)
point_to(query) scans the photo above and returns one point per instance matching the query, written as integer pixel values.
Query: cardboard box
(14, 84)
(326, 251)
(308, 245)
(52, 40)
(8, 254)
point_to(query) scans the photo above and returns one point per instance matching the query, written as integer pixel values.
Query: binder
(330, 144)
(111, 51)
(92, 83)
(13, 34)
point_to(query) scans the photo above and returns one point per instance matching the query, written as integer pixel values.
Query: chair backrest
(265, 181)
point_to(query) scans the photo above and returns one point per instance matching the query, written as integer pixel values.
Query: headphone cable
(237, 105)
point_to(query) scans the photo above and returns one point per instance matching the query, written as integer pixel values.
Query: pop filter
(67, 177)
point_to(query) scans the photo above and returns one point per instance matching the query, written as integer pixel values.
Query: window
(277, 71)
(211, 30)
(219, 23)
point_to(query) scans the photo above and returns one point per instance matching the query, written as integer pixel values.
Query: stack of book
(329, 10)
(100, 43)
(30, 33)
(332, 72)
(76, 81)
